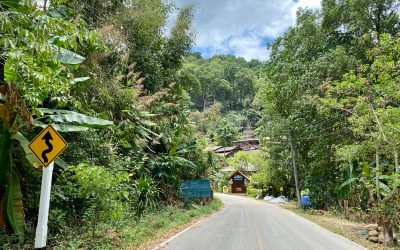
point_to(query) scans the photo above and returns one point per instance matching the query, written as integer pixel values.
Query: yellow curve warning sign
(48, 145)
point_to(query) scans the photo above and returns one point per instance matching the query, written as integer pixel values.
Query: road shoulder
(166, 236)
(347, 229)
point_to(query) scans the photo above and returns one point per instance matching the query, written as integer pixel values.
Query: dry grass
(164, 236)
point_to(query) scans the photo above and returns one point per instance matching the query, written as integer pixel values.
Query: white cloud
(241, 26)
(248, 47)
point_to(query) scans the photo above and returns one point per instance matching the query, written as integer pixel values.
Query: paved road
(246, 224)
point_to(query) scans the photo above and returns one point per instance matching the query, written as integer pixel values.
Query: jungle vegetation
(132, 99)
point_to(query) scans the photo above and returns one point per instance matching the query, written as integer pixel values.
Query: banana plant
(38, 63)
(10, 190)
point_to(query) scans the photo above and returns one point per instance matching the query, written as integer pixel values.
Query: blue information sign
(238, 178)
(195, 189)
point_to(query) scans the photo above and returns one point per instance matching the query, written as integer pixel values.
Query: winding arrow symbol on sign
(47, 137)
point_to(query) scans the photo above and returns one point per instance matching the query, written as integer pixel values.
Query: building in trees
(238, 182)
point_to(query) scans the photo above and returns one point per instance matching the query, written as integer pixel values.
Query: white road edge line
(186, 229)
(355, 243)
(352, 241)
(303, 218)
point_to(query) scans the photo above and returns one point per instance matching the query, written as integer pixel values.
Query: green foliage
(146, 194)
(223, 128)
(103, 194)
(272, 173)
(169, 169)
(225, 79)
(330, 106)
(253, 192)
(69, 121)
(39, 69)
(370, 101)
(136, 27)
(360, 17)
(28, 153)
(226, 134)
(242, 159)
(127, 234)
(37, 46)
(237, 118)
(13, 208)
(108, 64)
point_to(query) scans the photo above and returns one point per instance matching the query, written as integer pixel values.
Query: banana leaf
(67, 56)
(348, 182)
(9, 74)
(69, 121)
(9, 4)
(28, 153)
(384, 188)
(13, 208)
(63, 127)
(81, 79)
(366, 173)
(60, 162)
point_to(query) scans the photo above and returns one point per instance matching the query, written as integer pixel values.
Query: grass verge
(345, 228)
(153, 229)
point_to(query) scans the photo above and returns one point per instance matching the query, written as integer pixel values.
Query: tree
(286, 91)
(226, 134)
(225, 79)
(304, 62)
(369, 98)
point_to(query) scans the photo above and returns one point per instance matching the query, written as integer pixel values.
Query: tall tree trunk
(387, 225)
(378, 18)
(388, 233)
(295, 172)
(377, 163)
(352, 194)
(2, 62)
(44, 5)
(396, 159)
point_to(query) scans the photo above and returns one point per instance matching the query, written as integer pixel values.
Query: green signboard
(195, 189)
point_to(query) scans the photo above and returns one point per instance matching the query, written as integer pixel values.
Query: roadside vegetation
(329, 97)
(107, 77)
(153, 228)
(139, 111)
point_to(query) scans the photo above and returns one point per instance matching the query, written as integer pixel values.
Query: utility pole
(295, 170)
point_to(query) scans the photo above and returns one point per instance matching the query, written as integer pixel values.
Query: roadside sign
(195, 189)
(48, 145)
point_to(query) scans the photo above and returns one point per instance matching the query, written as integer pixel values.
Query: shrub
(145, 195)
(103, 194)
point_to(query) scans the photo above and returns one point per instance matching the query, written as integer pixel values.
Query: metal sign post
(41, 229)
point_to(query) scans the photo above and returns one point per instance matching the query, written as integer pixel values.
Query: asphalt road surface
(245, 224)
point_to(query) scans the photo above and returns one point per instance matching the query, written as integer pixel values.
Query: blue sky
(242, 27)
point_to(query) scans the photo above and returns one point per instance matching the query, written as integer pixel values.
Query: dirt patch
(112, 236)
